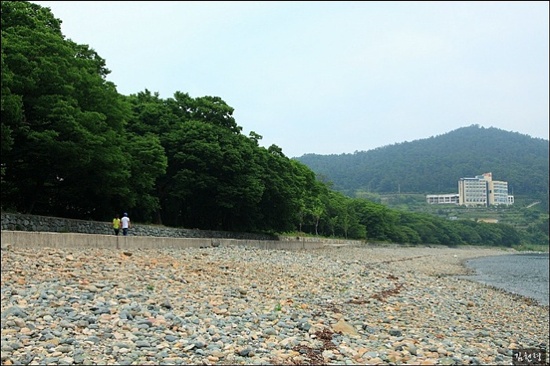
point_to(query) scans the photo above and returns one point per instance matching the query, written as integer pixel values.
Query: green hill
(435, 164)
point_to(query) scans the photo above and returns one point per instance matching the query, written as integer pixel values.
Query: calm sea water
(521, 274)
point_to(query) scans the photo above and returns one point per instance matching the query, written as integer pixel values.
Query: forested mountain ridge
(434, 165)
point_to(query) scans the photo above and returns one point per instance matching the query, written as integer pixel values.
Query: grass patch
(531, 248)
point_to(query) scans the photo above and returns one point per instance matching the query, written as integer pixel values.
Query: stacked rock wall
(20, 222)
(47, 224)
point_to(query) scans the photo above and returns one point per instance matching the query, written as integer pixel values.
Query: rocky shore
(246, 306)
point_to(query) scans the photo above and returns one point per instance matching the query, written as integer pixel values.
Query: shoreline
(476, 276)
(239, 305)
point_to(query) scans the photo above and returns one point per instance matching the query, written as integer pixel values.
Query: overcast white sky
(331, 77)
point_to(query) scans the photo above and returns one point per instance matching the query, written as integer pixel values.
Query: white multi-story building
(435, 199)
(498, 193)
(473, 191)
(481, 190)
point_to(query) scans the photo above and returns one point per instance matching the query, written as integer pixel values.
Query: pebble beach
(241, 305)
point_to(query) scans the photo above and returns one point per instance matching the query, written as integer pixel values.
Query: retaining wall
(36, 231)
(29, 239)
(21, 222)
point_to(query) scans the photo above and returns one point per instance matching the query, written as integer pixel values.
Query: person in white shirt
(125, 221)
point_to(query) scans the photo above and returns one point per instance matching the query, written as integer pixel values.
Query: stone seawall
(29, 239)
(41, 226)
(20, 222)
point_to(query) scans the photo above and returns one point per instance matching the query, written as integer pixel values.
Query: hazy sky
(331, 77)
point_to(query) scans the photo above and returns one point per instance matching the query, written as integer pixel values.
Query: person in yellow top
(116, 224)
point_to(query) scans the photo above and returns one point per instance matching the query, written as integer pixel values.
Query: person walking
(125, 224)
(116, 224)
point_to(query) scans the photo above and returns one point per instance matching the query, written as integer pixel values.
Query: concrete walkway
(30, 239)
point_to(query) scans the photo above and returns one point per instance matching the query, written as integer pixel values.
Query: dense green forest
(73, 147)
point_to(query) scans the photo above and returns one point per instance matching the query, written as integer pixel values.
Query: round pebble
(242, 305)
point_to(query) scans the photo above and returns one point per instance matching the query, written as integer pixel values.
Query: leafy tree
(468, 231)
(287, 188)
(317, 209)
(148, 162)
(509, 235)
(378, 219)
(405, 234)
(68, 136)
